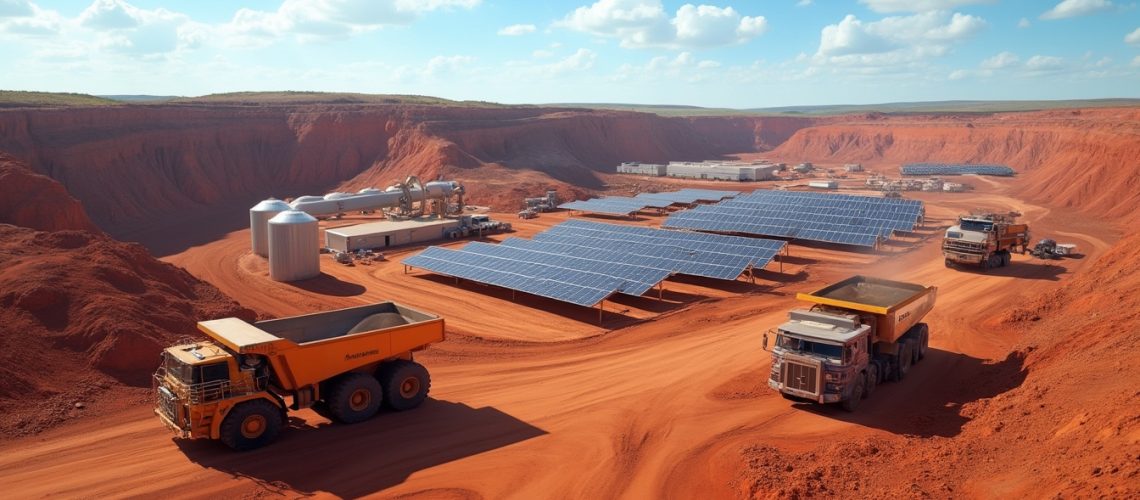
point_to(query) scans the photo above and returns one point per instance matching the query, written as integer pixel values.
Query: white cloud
(323, 19)
(541, 54)
(1001, 61)
(1074, 8)
(1135, 62)
(683, 66)
(447, 64)
(1023, 23)
(110, 15)
(15, 8)
(33, 22)
(645, 23)
(518, 29)
(959, 74)
(894, 40)
(1044, 63)
(580, 60)
(891, 6)
(1133, 37)
(803, 3)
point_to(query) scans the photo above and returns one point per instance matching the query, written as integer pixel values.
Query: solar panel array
(611, 205)
(955, 169)
(689, 196)
(831, 218)
(583, 262)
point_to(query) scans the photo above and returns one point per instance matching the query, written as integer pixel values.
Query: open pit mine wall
(1084, 159)
(134, 163)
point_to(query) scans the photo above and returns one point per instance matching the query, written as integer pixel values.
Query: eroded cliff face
(133, 164)
(36, 201)
(1084, 159)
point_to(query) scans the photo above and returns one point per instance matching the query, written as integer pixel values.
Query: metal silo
(259, 217)
(294, 246)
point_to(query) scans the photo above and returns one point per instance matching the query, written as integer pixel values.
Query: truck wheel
(949, 264)
(872, 380)
(923, 339)
(354, 398)
(852, 402)
(915, 347)
(406, 384)
(902, 361)
(251, 424)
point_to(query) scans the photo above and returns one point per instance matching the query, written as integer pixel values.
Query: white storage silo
(259, 217)
(294, 246)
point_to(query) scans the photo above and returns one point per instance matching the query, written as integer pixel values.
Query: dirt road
(532, 399)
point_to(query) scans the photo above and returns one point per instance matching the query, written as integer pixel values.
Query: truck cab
(818, 356)
(200, 380)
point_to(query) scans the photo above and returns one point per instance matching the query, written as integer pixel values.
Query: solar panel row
(955, 169)
(689, 196)
(833, 218)
(613, 205)
(761, 251)
(481, 269)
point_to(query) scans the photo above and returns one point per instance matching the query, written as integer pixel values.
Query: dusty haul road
(531, 399)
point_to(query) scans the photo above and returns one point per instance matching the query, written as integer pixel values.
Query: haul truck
(859, 332)
(985, 239)
(238, 386)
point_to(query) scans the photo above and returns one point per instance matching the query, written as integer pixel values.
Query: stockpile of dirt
(37, 201)
(81, 310)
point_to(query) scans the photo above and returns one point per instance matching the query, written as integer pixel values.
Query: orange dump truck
(859, 332)
(238, 386)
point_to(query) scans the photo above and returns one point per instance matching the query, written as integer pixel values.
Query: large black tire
(1006, 258)
(949, 263)
(923, 340)
(872, 380)
(354, 397)
(406, 384)
(852, 402)
(902, 361)
(251, 424)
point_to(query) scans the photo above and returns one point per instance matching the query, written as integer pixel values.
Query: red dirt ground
(1026, 393)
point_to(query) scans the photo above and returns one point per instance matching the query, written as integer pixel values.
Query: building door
(387, 240)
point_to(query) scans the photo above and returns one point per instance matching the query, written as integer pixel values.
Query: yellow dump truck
(859, 332)
(238, 386)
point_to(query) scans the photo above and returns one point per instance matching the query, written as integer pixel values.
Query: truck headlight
(833, 376)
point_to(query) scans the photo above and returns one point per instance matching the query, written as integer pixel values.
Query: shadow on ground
(928, 402)
(354, 460)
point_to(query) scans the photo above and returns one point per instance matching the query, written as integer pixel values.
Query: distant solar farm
(718, 235)
(955, 169)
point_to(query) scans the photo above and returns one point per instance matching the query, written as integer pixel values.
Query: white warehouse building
(653, 169)
(722, 171)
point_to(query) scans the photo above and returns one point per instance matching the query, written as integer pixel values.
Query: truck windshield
(807, 346)
(189, 374)
(977, 225)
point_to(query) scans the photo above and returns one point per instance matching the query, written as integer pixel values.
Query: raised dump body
(859, 332)
(346, 362)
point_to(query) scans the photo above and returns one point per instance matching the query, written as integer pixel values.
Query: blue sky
(730, 53)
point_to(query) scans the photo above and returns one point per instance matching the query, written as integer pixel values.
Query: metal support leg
(660, 290)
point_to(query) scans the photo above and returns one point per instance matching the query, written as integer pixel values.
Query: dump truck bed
(307, 349)
(896, 305)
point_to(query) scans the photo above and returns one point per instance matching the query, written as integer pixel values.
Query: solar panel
(636, 279)
(834, 218)
(489, 271)
(955, 169)
(680, 260)
(690, 196)
(761, 251)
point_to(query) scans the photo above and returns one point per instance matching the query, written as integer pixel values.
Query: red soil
(37, 201)
(1029, 391)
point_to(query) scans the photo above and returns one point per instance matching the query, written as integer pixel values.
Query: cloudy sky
(732, 53)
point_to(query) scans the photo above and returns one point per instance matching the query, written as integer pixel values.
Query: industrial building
(722, 171)
(853, 167)
(823, 184)
(652, 169)
(387, 233)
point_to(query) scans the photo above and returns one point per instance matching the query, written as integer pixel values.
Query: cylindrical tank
(294, 246)
(259, 217)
